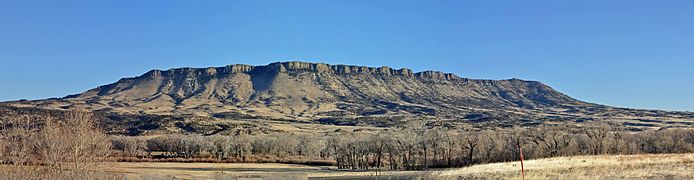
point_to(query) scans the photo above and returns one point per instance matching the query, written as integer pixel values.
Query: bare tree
(469, 143)
(598, 134)
(17, 137)
(75, 143)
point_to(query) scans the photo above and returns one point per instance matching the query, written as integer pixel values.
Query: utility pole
(520, 150)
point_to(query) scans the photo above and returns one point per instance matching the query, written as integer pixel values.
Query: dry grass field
(649, 166)
(661, 166)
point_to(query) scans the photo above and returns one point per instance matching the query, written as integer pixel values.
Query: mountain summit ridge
(306, 66)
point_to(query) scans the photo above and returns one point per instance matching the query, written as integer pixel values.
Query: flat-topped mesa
(299, 66)
(347, 91)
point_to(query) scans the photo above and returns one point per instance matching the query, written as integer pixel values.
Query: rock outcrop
(296, 66)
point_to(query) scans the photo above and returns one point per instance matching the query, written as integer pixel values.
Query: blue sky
(626, 53)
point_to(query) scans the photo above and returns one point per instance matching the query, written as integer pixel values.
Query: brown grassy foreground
(647, 166)
(650, 166)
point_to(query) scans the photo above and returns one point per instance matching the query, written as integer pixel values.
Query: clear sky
(627, 53)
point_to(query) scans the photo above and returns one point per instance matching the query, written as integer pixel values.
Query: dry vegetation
(412, 148)
(46, 148)
(650, 166)
(71, 147)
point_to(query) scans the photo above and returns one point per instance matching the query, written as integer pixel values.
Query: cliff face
(300, 90)
(283, 67)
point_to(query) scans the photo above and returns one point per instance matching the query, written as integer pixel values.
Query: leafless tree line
(240, 148)
(415, 148)
(72, 145)
(45, 147)
(423, 149)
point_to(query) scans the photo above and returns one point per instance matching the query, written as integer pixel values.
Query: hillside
(345, 95)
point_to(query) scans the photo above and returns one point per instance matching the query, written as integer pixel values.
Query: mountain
(339, 94)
